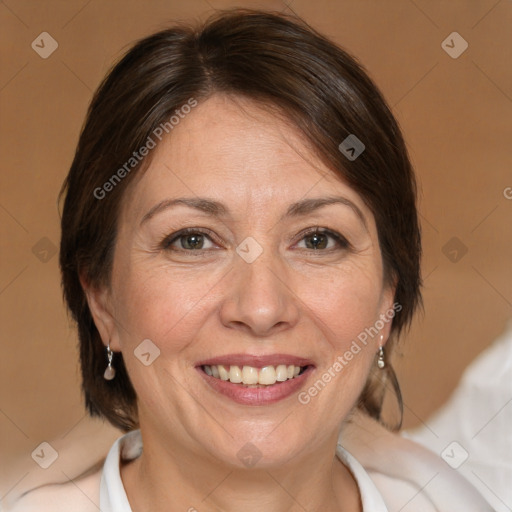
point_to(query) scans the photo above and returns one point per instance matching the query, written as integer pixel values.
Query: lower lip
(257, 396)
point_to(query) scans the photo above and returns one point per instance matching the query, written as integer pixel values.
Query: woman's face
(250, 279)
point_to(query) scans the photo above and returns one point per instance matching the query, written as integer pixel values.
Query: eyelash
(166, 243)
(342, 242)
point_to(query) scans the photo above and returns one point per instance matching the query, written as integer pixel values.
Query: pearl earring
(110, 371)
(380, 361)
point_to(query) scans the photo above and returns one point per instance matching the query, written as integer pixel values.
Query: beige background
(456, 115)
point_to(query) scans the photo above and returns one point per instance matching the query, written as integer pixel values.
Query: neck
(193, 481)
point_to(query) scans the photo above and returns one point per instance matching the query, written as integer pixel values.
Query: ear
(100, 306)
(388, 309)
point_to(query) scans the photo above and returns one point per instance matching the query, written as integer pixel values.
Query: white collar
(128, 447)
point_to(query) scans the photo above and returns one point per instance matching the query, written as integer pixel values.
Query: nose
(259, 299)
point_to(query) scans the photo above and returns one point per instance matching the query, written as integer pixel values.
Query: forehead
(234, 150)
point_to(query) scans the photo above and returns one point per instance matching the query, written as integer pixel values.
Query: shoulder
(72, 482)
(401, 494)
(77, 495)
(408, 476)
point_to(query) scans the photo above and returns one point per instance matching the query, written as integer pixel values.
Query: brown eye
(317, 241)
(192, 241)
(187, 240)
(324, 240)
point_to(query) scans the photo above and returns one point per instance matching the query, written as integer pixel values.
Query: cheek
(159, 305)
(163, 305)
(344, 303)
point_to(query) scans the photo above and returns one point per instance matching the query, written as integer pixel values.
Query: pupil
(193, 242)
(318, 241)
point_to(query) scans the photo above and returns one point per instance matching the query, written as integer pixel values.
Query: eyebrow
(216, 209)
(209, 206)
(307, 206)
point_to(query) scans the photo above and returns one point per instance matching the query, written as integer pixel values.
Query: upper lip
(256, 361)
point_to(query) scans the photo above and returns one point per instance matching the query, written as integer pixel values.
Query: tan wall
(456, 115)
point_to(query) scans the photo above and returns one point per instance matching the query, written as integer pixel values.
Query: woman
(240, 250)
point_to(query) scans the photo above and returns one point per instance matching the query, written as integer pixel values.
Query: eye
(190, 239)
(323, 239)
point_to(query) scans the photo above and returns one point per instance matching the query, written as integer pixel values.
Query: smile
(256, 380)
(251, 376)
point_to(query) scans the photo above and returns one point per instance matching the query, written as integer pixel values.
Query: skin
(200, 303)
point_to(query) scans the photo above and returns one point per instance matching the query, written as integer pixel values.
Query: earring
(110, 371)
(380, 361)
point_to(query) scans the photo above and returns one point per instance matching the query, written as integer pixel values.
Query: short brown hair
(274, 59)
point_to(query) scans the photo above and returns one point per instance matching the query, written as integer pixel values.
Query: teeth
(282, 373)
(251, 376)
(235, 375)
(267, 375)
(223, 373)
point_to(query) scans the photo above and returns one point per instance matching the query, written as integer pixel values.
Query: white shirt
(113, 495)
(392, 473)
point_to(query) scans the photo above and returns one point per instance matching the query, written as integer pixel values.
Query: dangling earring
(380, 361)
(110, 371)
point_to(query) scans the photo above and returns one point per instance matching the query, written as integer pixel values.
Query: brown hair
(274, 59)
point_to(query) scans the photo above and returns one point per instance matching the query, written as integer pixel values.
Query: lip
(257, 396)
(257, 361)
